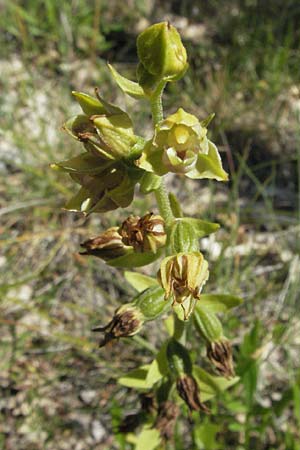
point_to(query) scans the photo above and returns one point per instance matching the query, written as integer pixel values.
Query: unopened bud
(220, 355)
(161, 52)
(145, 233)
(127, 321)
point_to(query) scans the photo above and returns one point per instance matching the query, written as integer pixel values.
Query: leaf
(209, 385)
(128, 87)
(218, 303)
(84, 163)
(134, 259)
(159, 367)
(148, 439)
(136, 378)
(201, 227)
(139, 281)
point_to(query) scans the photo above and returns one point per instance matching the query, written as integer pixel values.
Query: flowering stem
(156, 104)
(163, 204)
(162, 199)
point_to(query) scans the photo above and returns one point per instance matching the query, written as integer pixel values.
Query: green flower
(180, 145)
(183, 276)
(104, 129)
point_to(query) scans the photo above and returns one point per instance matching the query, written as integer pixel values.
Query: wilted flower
(127, 321)
(180, 145)
(188, 390)
(183, 276)
(220, 355)
(107, 245)
(166, 419)
(145, 233)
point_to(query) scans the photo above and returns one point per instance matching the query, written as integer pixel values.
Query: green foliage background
(58, 389)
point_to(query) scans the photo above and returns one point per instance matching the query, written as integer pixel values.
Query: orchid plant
(114, 161)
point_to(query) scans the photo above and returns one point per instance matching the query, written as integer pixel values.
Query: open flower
(180, 145)
(183, 276)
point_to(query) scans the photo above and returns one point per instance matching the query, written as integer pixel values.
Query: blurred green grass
(244, 67)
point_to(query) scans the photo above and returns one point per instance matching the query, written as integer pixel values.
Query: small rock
(97, 431)
(87, 396)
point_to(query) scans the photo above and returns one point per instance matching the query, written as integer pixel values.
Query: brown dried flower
(127, 321)
(166, 419)
(145, 233)
(220, 355)
(107, 245)
(188, 390)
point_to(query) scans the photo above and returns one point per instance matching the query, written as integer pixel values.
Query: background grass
(58, 389)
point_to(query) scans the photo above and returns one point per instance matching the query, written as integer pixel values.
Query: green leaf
(201, 227)
(209, 385)
(159, 367)
(134, 259)
(84, 163)
(218, 303)
(128, 87)
(149, 182)
(139, 281)
(148, 439)
(137, 378)
(204, 123)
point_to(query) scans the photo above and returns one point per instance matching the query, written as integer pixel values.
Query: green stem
(156, 104)
(163, 204)
(163, 201)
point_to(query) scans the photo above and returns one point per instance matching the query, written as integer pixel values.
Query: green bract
(180, 145)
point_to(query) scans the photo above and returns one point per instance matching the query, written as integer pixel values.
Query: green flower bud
(161, 53)
(144, 234)
(180, 145)
(183, 276)
(106, 246)
(127, 321)
(112, 189)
